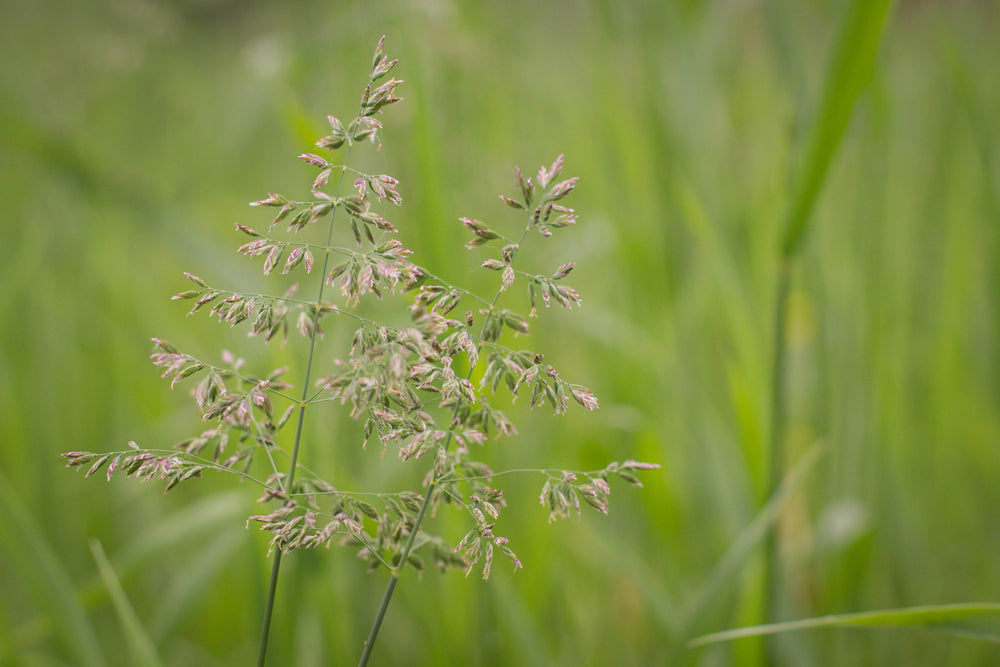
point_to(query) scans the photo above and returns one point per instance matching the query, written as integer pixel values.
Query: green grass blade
(980, 119)
(205, 516)
(139, 643)
(526, 638)
(849, 73)
(195, 581)
(186, 525)
(25, 546)
(730, 565)
(952, 618)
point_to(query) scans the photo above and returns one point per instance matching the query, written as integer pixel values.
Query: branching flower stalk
(402, 383)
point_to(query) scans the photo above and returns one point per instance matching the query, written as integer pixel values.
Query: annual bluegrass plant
(425, 389)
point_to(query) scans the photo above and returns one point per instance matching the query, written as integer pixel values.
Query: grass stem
(300, 419)
(776, 464)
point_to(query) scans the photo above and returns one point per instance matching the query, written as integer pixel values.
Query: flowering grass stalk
(410, 387)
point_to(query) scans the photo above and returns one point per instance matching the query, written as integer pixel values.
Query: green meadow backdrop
(133, 133)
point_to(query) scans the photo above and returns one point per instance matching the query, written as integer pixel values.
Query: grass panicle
(409, 387)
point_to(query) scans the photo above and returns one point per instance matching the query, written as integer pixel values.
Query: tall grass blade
(981, 121)
(195, 580)
(25, 546)
(203, 517)
(527, 639)
(850, 71)
(731, 564)
(952, 618)
(140, 644)
(186, 525)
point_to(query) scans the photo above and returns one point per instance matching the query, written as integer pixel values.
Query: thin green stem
(382, 608)
(300, 419)
(428, 492)
(772, 566)
(267, 449)
(269, 608)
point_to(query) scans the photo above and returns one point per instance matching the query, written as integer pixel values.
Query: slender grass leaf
(186, 525)
(849, 73)
(206, 515)
(727, 570)
(526, 639)
(195, 580)
(607, 555)
(953, 618)
(140, 645)
(980, 119)
(25, 545)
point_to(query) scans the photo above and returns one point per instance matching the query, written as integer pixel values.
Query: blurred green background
(134, 132)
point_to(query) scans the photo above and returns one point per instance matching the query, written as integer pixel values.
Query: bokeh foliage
(135, 132)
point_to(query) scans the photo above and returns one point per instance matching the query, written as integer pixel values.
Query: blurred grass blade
(195, 581)
(606, 555)
(849, 73)
(729, 567)
(526, 640)
(24, 545)
(188, 524)
(980, 119)
(139, 643)
(955, 618)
